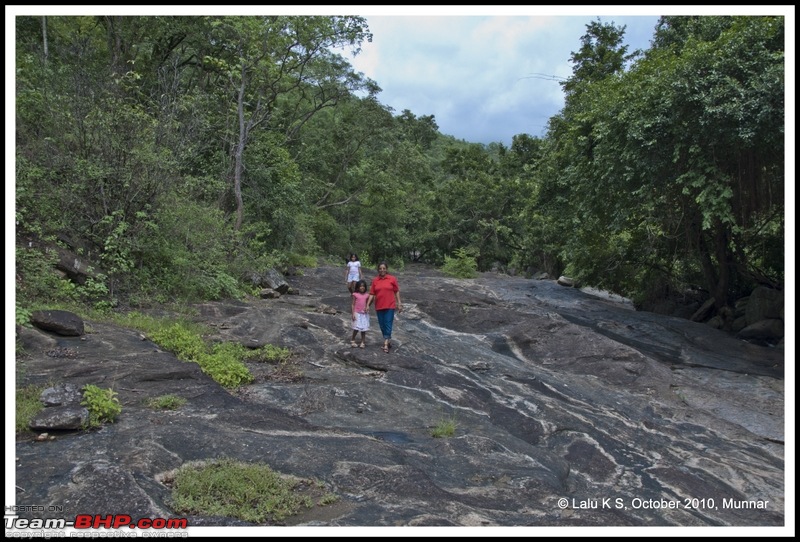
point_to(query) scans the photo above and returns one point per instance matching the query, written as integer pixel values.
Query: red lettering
(121, 521)
(86, 521)
(83, 521)
(100, 521)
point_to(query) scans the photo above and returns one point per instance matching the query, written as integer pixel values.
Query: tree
(601, 55)
(335, 154)
(727, 85)
(672, 172)
(276, 58)
(421, 131)
(563, 185)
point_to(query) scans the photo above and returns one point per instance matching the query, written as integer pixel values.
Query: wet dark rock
(555, 393)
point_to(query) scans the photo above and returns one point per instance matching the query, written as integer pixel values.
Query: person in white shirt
(353, 272)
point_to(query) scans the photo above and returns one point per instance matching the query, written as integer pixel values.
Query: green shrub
(463, 266)
(143, 322)
(181, 341)
(23, 316)
(103, 404)
(224, 365)
(286, 371)
(96, 292)
(223, 362)
(366, 260)
(220, 285)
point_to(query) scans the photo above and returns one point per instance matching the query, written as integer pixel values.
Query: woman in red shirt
(385, 292)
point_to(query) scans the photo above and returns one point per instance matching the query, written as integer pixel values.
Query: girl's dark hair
(358, 285)
(351, 255)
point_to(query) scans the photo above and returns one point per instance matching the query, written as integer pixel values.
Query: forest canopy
(180, 154)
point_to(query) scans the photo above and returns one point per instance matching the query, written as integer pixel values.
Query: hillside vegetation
(178, 155)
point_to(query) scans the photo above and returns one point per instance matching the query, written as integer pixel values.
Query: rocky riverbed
(571, 409)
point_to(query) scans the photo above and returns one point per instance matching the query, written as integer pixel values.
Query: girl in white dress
(353, 272)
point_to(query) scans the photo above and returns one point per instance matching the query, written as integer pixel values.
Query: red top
(384, 288)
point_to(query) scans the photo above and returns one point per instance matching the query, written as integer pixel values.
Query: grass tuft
(166, 402)
(28, 405)
(250, 492)
(445, 428)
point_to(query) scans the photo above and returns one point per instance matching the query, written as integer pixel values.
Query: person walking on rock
(353, 272)
(360, 314)
(385, 293)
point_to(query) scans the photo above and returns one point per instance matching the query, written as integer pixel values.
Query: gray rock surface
(556, 394)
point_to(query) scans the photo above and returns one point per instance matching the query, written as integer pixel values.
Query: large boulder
(63, 323)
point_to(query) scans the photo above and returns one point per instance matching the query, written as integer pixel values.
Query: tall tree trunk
(44, 37)
(238, 158)
(717, 275)
(724, 264)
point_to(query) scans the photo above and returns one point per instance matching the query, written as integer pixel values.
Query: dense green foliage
(179, 155)
(670, 173)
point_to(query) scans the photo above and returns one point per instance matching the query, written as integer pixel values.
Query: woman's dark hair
(383, 263)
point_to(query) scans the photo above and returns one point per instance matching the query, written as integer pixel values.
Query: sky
(492, 72)
(486, 73)
(484, 79)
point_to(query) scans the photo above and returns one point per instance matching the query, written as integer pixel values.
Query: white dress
(352, 274)
(361, 323)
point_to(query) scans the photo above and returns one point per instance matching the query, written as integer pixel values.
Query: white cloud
(484, 78)
(492, 72)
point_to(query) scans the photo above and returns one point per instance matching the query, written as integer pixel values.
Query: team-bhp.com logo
(94, 521)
